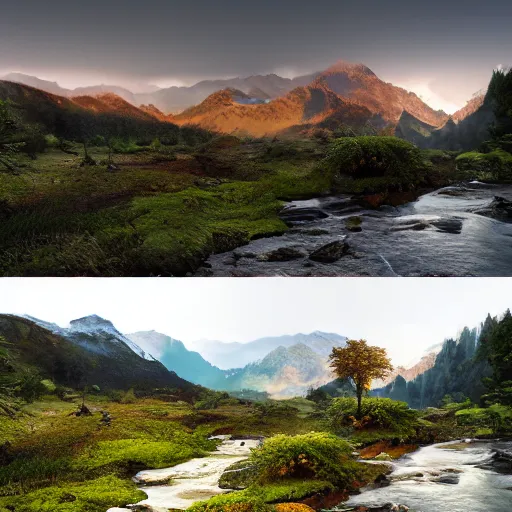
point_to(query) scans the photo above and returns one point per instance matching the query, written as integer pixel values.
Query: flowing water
(436, 235)
(180, 486)
(446, 478)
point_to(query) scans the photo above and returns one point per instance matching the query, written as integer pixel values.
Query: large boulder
(238, 476)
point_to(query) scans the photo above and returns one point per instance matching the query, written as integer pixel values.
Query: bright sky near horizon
(443, 51)
(406, 316)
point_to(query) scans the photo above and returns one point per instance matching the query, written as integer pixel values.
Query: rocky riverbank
(460, 230)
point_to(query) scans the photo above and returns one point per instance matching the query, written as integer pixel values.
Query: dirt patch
(394, 451)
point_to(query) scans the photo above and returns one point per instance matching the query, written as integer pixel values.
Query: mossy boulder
(238, 476)
(354, 224)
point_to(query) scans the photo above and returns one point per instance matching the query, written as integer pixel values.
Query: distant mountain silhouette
(236, 355)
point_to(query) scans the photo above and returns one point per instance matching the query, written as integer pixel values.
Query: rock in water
(282, 254)
(293, 215)
(499, 208)
(453, 226)
(383, 456)
(447, 479)
(330, 252)
(354, 224)
(501, 462)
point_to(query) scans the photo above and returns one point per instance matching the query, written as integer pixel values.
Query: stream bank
(463, 230)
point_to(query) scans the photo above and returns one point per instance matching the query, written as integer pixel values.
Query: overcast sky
(444, 50)
(405, 316)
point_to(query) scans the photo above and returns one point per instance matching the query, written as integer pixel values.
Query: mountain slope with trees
(81, 359)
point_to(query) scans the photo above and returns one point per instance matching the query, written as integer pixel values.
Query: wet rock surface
(293, 215)
(443, 233)
(331, 252)
(282, 254)
(501, 462)
(499, 209)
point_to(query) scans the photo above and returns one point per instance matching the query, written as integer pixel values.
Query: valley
(101, 186)
(139, 437)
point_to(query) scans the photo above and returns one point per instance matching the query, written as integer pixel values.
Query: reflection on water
(417, 481)
(435, 235)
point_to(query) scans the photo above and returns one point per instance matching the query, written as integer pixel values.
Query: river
(446, 478)
(437, 235)
(180, 486)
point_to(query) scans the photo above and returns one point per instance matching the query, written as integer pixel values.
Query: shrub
(49, 385)
(315, 455)
(398, 161)
(52, 141)
(496, 165)
(129, 397)
(378, 412)
(497, 417)
(293, 507)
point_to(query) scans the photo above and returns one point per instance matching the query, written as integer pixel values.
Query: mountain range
(90, 352)
(282, 366)
(344, 95)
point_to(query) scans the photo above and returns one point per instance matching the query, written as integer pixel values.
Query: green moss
(92, 496)
(126, 452)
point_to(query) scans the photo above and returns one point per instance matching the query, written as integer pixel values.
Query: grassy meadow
(161, 210)
(50, 459)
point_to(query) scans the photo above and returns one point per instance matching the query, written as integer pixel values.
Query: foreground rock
(330, 252)
(444, 225)
(282, 254)
(499, 209)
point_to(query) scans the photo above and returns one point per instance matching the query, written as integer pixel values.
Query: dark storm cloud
(151, 39)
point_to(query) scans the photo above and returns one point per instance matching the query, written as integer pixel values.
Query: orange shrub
(293, 507)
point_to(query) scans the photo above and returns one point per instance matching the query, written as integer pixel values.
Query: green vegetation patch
(91, 496)
(256, 497)
(393, 416)
(126, 452)
(376, 163)
(498, 417)
(315, 455)
(494, 166)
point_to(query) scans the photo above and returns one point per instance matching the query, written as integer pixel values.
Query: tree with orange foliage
(362, 363)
